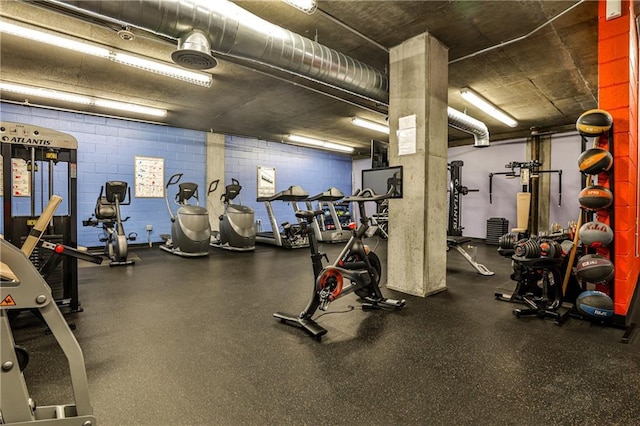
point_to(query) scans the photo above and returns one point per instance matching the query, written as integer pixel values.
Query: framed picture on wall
(266, 181)
(149, 177)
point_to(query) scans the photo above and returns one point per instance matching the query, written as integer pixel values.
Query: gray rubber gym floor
(173, 341)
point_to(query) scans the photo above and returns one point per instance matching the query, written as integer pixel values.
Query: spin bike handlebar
(367, 194)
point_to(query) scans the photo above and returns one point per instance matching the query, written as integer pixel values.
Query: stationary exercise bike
(190, 228)
(237, 228)
(357, 269)
(107, 212)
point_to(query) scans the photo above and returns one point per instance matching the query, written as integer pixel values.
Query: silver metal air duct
(463, 122)
(234, 31)
(224, 27)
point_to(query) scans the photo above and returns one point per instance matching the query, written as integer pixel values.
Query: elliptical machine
(237, 228)
(107, 212)
(190, 228)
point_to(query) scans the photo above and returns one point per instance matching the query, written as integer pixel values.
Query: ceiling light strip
(486, 106)
(78, 99)
(372, 125)
(318, 143)
(93, 49)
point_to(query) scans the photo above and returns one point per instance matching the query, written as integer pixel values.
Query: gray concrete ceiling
(546, 80)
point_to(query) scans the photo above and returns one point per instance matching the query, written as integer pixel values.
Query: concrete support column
(416, 261)
(215, 170)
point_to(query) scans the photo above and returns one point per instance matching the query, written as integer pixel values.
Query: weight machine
(454, 226)
(22, 287)
(529, 173)
(27, 150)
(456, 189)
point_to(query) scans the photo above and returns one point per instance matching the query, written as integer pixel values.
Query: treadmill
(290, 237)
(328, 227)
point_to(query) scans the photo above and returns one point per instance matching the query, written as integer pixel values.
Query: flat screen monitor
(379, 154)
(380, 180)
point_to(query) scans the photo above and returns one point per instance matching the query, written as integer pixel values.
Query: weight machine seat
(454, 241)
(293, 193)
(331, 194)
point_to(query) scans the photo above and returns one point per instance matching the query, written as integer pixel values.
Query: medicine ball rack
(605, 141)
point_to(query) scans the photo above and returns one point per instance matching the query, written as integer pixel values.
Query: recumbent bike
(357, 269)
(107, 212)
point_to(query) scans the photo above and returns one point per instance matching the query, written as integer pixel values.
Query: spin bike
(357, 269)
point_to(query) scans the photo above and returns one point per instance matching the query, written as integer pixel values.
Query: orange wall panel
(618, 94)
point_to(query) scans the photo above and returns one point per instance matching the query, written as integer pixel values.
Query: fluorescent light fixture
(93, 49)
(486, 106)
(166, 70)
(45, 93)
(372, 125)
(319, 143)
(53, 39)
(307, 6)
(78, 99)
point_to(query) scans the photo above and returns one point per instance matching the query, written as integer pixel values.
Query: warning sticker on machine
(8, 301)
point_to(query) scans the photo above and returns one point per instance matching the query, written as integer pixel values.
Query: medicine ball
(596, 234)
(594, 122)
(595, 197)
(595, 304)
(594, 161)
(594, 268)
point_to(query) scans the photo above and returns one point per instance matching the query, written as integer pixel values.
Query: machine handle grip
(215, 182)
(174, 179)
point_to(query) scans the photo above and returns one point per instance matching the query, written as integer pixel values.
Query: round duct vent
(193, 59)
(194, 52)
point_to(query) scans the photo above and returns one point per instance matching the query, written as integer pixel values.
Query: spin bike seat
(308, 215)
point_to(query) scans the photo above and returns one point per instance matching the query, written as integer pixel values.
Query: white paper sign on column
(407, 135)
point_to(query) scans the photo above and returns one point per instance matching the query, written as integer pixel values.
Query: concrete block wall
(106, 151)
(312, 169)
